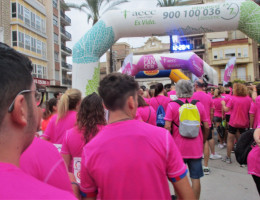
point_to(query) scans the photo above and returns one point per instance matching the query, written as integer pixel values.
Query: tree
(167, 3)
(94, 9)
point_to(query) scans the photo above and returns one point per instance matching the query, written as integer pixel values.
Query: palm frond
(166, 3)
(113, 5)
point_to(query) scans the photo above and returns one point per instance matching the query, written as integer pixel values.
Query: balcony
(65, 20)
(66, 82)
(65, 34)
(66, 50)
(66, 65)
(244, 78)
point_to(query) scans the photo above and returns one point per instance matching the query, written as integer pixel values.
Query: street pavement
(227, 181)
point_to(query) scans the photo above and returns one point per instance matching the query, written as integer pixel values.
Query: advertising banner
(228, 70)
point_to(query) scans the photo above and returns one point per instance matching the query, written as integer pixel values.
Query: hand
(223, 103)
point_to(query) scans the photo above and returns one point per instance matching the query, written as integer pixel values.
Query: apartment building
(26, 25)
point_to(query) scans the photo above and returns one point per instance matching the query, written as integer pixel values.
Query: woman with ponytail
(65, 118)
(51, 109)
(90, 120)
(159, 98)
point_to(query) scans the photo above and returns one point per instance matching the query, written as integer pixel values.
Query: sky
(79, 25)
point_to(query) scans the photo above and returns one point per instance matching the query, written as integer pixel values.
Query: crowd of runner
(126, 142)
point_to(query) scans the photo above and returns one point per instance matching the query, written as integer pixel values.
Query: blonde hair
(68, 101)
(240, 90)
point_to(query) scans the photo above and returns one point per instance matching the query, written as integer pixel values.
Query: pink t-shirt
(55, 131)
(172, 95)
(43, 161)
(253, 161)
(73, 144)
(159, 100)
(227, 98)
(16, 184)
(131, 160)
(240, 107)
(218, 106)
(148, 114)
(189, 148)
(206, 101)
(257, 103)
(255, 111)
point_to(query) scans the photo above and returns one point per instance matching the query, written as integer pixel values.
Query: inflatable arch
(175, 74)
(186, 60)
(184, 20)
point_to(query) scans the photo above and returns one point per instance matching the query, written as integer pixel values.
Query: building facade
(28, 26)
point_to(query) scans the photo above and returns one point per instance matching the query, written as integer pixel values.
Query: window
(13, 10)
(14, 38)
(43, 50)
(241, 73)
(198, 43)
(215, 55)
(57, 75)
(27, 17)
(230, 53)
(39, 47)
(32, 19)
(38, 23)
(56, 56)
(55, 20)
(34, 72)
(39, 71)
(56, 38)
(27, 40)
(44, 72)
(222, 73)
(220, 53)
(239, 54)
(21, 39)
(55, 3)
(245, 52)
(20, 11)
(43, 27)
(33, 44)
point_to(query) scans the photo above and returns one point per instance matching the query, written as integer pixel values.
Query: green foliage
(239, 81)
(94, 9)
(166, 3)
(256, 83)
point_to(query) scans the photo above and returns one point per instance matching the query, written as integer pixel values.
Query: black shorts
(233, 130)
(217, 119)
(227, 118)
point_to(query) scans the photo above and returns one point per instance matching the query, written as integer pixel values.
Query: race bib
(77, 167)
(58, 146)
(173, 97)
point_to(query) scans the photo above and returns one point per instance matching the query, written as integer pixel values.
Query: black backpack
(244, 146)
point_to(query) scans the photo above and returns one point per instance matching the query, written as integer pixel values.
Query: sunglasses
(38, 98)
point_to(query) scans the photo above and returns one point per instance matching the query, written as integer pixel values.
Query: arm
(168, 125)
(257, 136)
(67, 159)
(206, 131)
(75, 186)
(226, 109)
(254, 95)
(44, 138)
(252, 118)
(211, 114)
(183, 189)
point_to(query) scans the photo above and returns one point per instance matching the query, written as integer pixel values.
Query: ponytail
(158, 89)
(69, 101)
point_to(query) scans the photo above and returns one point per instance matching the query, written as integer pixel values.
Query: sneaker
(221, 146)
(215, 156)
(206, 170)
(227, 160)
(224, 144)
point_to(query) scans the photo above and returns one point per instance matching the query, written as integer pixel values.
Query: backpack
(244, 146)
(160, 114)
(189, 118)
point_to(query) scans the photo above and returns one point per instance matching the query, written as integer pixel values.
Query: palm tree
(167, 3)
(95, 9)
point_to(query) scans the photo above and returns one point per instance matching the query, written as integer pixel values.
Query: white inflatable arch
(232, 15)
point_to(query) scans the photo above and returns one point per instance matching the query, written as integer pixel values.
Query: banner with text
(228, 70)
